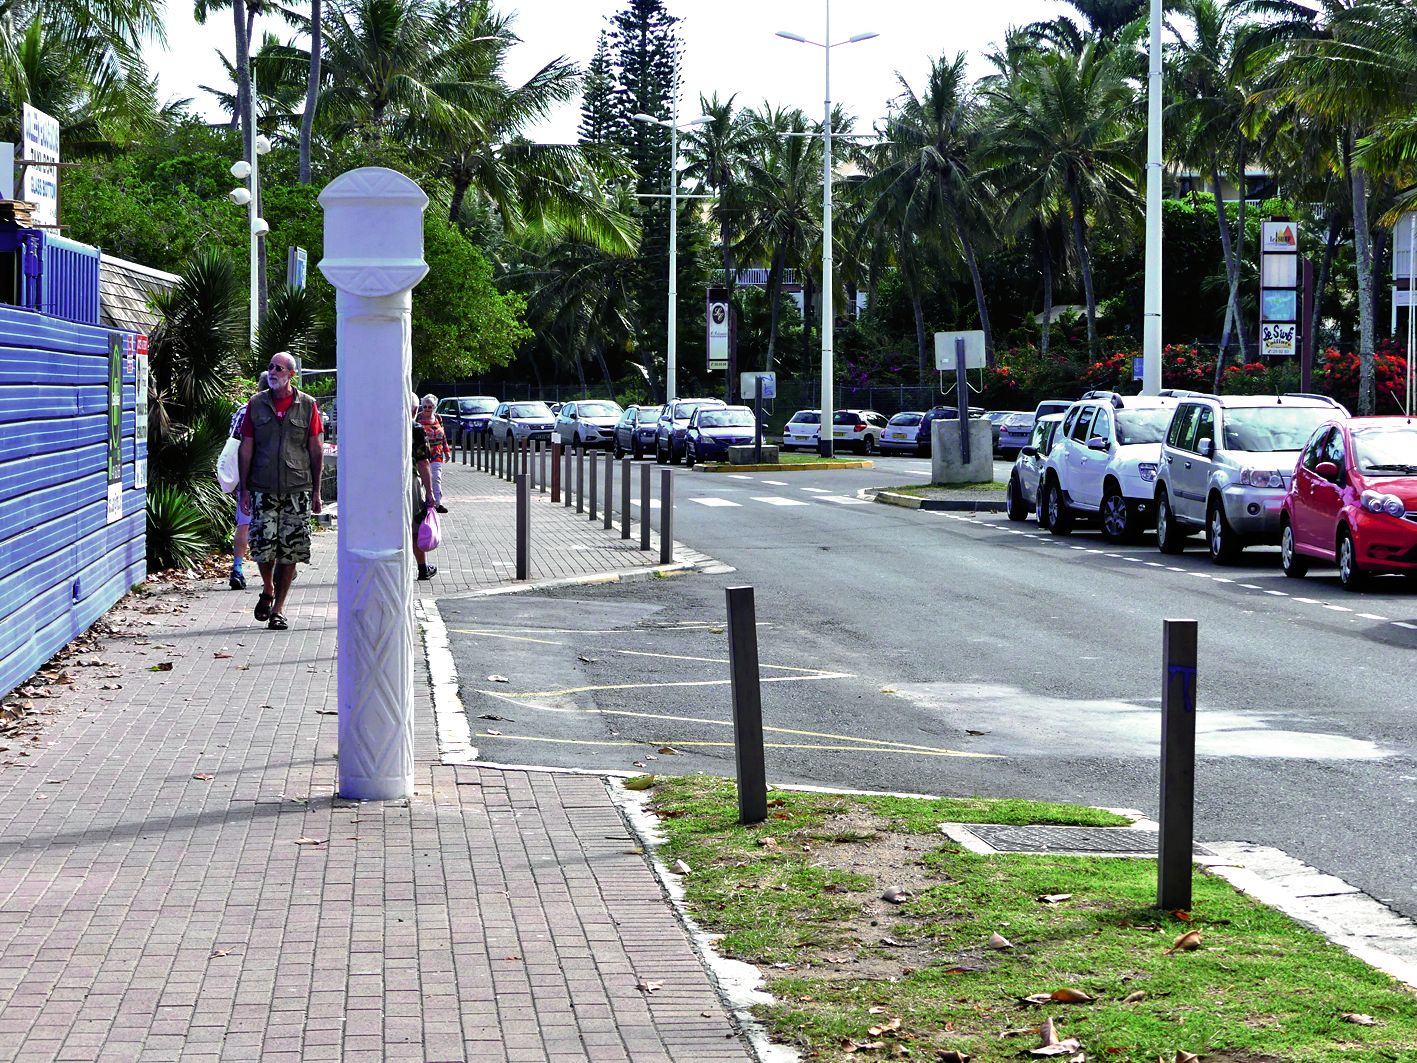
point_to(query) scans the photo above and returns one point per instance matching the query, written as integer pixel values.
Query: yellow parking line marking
(866, 743)
(729, 745)
(499, 635)
(721, 660)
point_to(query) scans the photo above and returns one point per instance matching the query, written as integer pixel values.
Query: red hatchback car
(1353, 500)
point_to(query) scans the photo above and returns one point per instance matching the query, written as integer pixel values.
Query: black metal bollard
(523, 526)
(592, 488)
(580, 478)
(747, 705)
(666, 516)
(555, 471)
(644, 507)
(609, 491)
(625, 498)
(566, 477)
(1178, 765)
(541, 467)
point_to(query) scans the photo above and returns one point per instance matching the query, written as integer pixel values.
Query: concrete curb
(796, 466)
(956, 505)
(692, 562)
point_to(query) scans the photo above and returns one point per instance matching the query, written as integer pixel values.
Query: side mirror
(1328, 470)
(1099, 443)
(1029, 452)
(1206, 448)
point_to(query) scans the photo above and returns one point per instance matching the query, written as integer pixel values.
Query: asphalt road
(954, 654)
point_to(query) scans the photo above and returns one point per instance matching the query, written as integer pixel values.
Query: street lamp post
(824, 431)
(1151, 320)
(251, 199)
(671, 342)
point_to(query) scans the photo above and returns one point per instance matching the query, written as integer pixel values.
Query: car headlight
(1148, 471)
(1377, 502)
(1261, 478)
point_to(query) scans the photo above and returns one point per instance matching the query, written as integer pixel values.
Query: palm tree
(1337, 64)
(781, 197)
(717, 154)
(928, 181)
(1068, 117)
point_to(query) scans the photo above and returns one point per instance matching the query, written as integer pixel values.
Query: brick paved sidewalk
(149, 912)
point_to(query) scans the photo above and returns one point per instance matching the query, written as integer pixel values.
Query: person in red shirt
(281, 458)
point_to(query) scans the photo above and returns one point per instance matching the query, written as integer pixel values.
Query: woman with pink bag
(425, 516)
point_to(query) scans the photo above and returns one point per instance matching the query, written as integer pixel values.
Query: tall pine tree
(600, 117)
(643, 54)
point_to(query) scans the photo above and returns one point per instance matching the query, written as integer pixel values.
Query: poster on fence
(140, 411)
(115, 427)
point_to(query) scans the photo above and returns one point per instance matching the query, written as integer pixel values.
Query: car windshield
(725, 419)
(1142, 426)
(477, 405)
(807, 417)
(597, 409)
(1267, 428)
(684, 410)
(1386, 451)
(528, 409)
(906, 418)
(650, 413)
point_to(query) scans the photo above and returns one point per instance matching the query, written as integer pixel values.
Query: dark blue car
(938, 413)
(713, 429)
(672, 427)
(635, 432)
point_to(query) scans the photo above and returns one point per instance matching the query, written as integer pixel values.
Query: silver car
(1022, 492)
(522, 421)
(587, 423)
(1225, 465)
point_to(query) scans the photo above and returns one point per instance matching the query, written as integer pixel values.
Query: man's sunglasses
(278, 369)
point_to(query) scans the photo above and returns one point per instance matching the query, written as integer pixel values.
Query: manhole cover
(1113, 841)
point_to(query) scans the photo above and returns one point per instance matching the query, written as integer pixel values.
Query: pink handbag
(430, 532)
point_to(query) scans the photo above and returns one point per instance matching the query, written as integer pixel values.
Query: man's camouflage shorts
(280, 528)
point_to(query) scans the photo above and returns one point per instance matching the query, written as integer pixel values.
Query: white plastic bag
(228, 467)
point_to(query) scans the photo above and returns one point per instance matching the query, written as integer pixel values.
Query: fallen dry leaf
(863, 1046)
(1182, 915)
(875, 1009)
(668, 751)
(1359, 1019)
(1187, 942)
(220, 654)
(1135, 998)
(1069, 995)
(876, 1031)
(894, 943)
(998, 941)
(645, 986)
(1183, 1056)
(768, 843)
(493, 731)
(494, 716)
(681, 868)
(896, 895)
(1055, 898)
(161, 666)
(1048, 1032)
(216, 953)
(498, 679)
(950, 1055)
(1063, 1048)
(638, 782)
(203, 776)
(311, 841)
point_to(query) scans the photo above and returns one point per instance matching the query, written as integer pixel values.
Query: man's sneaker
(237, 582)
(427, 571)
(441, 508)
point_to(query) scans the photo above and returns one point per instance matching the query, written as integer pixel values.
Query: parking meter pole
(523, 526)
(609, 491)
(555, 471)
(962, 389)
(624, 498)
(580, 480)
(666, 516)
(1178, 765)
(757, 424)
(644, 507)
(593, 489)
(747, 705)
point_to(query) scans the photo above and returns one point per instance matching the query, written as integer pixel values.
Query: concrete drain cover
(1110, 841)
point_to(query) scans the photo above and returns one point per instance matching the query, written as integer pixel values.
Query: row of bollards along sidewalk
(526, 464)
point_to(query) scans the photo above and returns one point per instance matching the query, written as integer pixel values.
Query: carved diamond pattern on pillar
(377, 618)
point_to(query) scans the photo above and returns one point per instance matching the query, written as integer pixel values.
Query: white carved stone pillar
(374, 257)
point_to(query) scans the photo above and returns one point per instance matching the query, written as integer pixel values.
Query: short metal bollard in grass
(747, 705)
(1178, 765)
(666, 516)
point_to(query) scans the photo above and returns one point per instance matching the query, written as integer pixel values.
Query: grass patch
(800, 896)
(798, 457)
(928, 489)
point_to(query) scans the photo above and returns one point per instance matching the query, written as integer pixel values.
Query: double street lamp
(671, 362)
(250, 197)
(826, 44)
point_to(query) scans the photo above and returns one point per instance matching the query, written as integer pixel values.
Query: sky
(730, 46)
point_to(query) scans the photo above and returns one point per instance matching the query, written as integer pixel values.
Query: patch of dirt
(879, 942)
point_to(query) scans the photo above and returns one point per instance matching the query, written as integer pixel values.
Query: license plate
(841, 433)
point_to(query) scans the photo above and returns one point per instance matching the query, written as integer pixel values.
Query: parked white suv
(1103, 464)
(1225, 465)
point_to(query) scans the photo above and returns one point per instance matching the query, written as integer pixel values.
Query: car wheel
(1017, 509)
(1118, 522)
(1225, 545)
(868, 445)
(1060, 521)
(1169, 539)
(1295, 564)
(689, 456)
(1350, 575)
(636, 451)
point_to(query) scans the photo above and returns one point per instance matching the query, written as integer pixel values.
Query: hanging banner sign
(1279, 339)
(718, 328)
(39, 140)
(140, 412)
(115, 427)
